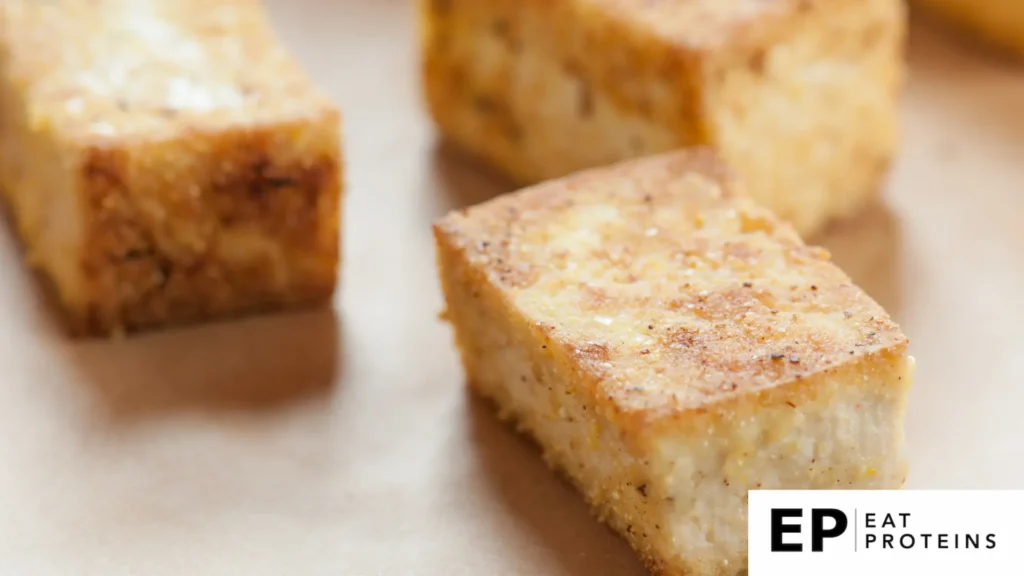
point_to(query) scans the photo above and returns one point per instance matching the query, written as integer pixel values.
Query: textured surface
(671, 345)
(343, 443)
(147, 68)
(657, 275)
(701, 25)
(800, 97)
(158, 177)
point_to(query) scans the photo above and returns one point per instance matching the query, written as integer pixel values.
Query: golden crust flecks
(672, 346)
(667, 285)
(166, 161)
(799, 96)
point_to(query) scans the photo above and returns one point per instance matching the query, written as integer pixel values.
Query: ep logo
(825, 523)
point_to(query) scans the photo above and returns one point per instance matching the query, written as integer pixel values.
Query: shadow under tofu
(244, 363)
(867, 247)
(249, 364)
(544, 501)
(463, 180)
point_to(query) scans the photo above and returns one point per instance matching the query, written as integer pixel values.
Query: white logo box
(899, 532)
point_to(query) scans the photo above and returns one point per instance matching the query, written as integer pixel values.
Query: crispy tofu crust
(998, 24)
(671, 345)
(799, 96)
(166, 161)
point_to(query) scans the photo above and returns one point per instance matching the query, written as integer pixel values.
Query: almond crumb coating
(166, 161)
(672, 345)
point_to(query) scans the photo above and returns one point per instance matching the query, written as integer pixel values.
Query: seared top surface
(696, 24)
(664, 283)
(102, 68)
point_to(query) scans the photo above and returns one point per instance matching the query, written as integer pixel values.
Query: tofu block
(800, 97)
(166, 161)
(996, 23)
(671, 345)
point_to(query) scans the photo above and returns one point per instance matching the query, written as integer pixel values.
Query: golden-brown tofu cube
(997, 23)
(166, 161)
(799, 96)
(671, 345)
